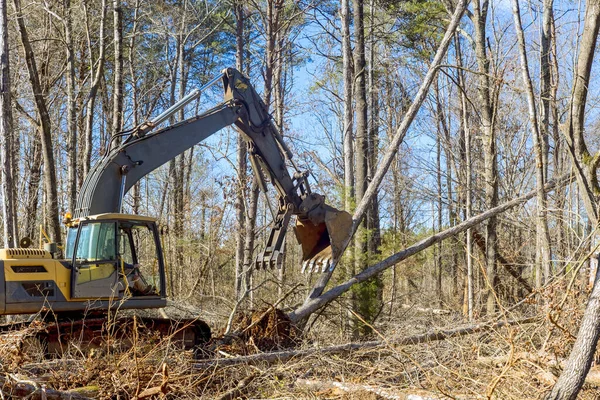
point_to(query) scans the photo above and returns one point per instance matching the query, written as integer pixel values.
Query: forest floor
(514, 361)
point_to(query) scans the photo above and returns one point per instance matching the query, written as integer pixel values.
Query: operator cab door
(95, 273)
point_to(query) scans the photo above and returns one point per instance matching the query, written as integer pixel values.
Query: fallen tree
(434, 335)
(311, 305)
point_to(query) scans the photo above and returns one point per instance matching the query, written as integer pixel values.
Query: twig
(237, 390)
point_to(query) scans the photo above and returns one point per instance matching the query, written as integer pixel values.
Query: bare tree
(586, 165)
(71, 107)
(98, 67)
(117, 111)
(543, 255)
(6, 133)
(50, 188)
(490, 168)
(240, 199)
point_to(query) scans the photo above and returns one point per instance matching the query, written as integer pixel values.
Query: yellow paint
(95, 271)
(55, 271)
(14, 254)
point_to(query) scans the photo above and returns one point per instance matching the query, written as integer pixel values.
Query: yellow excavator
(113, 259)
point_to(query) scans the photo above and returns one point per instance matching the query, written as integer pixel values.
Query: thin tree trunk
(490, 168)
(71, 110)
(348, 72)
(33, 186)
(241, 167)
(134, 95)
(373, 225)
(363, 296)
(98, 67)
(6, 134)
(50, 188)
(543, 255)
(117, 112)
(468, 175)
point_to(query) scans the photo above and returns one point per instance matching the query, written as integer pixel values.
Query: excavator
(115, 260)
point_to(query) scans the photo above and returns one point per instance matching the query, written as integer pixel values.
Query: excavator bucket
(321, 243)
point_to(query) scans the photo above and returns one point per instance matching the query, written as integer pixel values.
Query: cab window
(97, 242)
(125, 246)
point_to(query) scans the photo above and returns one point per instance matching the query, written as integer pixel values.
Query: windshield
(97, 242)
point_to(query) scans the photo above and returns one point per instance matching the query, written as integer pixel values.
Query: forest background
(512, 108)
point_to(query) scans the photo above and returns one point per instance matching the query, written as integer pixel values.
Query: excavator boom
(320, 229)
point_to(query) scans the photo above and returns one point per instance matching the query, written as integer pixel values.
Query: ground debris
(268, 329)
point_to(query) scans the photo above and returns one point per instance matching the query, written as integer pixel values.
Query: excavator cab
(116, 256)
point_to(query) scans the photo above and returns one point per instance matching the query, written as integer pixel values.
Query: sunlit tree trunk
(240, 202)
(51, 205)
(490, 167)
(543, 255)
(98, 67)
(6, 134)
(580, 360)
(71, 109)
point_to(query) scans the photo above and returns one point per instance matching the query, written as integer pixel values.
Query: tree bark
(71, 109)
(573, 376)
(347, 72)
(50, 188)
(543, 254)
(117, 112)
(6, 134)
(490, 167)
(465, 124)
(241, 167)
(98, 68)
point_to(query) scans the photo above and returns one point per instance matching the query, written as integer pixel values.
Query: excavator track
(53, 338)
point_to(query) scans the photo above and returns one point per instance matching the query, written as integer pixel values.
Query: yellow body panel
(18, 254)
(55, 271)
(95, 271)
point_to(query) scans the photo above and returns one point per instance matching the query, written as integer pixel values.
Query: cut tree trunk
(314, 304)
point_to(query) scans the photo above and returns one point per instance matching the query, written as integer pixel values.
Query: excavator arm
(320, 229)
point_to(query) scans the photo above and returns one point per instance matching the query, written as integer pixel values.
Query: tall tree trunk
(51, 209)
(438, 162)
(134, 95)
(361, 152)
(71, 110)
(348, 72)
(374, 236)
(468, 183)
(273, 18)
(573, 375)
(490, 168)
(117, 111)
(6, 134)
(240, 201)
(543, 255)
(98, 68)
